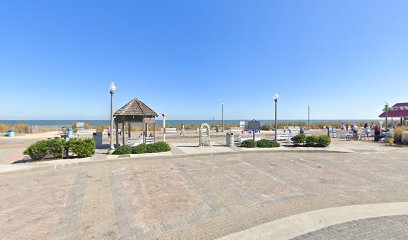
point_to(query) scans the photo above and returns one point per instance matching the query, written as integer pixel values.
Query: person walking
(355, 132)
(302, 130)
(376, 133)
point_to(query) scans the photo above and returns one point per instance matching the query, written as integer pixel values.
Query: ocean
(171, 122)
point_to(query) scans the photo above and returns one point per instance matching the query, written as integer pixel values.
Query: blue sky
(344, 58)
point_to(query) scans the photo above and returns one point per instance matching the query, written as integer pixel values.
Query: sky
(344, 58)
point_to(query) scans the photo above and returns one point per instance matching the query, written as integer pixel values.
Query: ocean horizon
(174, 122)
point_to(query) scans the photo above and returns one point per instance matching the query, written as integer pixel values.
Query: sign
(254, 125)
(242, 124)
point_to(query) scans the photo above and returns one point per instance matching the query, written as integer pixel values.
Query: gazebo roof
(136, 108)
(398, 110)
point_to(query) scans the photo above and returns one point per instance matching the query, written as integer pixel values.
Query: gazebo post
(117, 132)
(144, 132)
(129, 129)
(123, 131)
(154, 132)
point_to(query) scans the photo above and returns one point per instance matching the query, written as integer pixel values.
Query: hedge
(299, 139)
(143, 148)
(265, 143)
(56, 148)
(249, 143)
(311, 141)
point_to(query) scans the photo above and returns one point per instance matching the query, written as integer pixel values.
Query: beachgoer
(347, 127)
(377, 133)
(302, 130)
(328, 130)
(355, 132)
(342, 127)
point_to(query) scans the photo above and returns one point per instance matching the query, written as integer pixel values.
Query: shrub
(37, 150)
(266, 127)
(56, 147)
(82, 147)
(323, 141)
(398, 134)
(299, 139)
(125, 149)
(249, 143)
(158, 147)
(265, 143)
(162, 146)
(141, 148)
(312, 140)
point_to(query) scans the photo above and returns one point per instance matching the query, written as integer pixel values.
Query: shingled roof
(135, 108)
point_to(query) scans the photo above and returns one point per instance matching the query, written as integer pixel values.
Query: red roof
(398, 110)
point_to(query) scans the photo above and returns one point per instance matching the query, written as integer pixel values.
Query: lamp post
(308, 117)
(275, 98)
(222, 116)
(164, 126)
(386, 115)
(112, 90)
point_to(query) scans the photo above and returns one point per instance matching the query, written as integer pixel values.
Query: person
(347, 127)
(342, 127)
(328, 130)
(365, 126)
(183, 130)
(109, 133)
(376, 133)
(355, 132)
(302, 130)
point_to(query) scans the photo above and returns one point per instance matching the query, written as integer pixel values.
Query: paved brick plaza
(201, 197)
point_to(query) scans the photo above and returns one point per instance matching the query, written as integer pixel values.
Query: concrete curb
(6, 168)
(296, 225)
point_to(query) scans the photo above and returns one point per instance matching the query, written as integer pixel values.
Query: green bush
(158, 147)
(56, 147)
(323, 141)
(82, 147)
(265, 143)
(249, 143)
(38, 150)
(141, 148)
(299, 139)
(312, 140)
(125, 149)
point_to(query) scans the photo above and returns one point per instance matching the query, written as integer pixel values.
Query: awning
(399, 110)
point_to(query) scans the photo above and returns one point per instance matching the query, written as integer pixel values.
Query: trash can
(98, 138)
(10, 133)
(229, 139)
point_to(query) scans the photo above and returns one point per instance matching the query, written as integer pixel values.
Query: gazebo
(399, 110)
(134, 111)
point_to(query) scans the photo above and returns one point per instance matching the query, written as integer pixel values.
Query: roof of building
(398, 110)
(135, 108)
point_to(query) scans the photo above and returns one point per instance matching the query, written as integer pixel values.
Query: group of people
(367, 130)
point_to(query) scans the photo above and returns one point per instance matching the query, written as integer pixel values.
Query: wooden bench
(169, 130)
(85, 131)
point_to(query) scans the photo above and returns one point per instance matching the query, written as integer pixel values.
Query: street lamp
(386, 115)
(308, 117)
(222, 116)
(275, 98)
(112, 90)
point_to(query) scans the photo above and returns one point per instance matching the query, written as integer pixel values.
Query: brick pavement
(202, 197)
(385, 228)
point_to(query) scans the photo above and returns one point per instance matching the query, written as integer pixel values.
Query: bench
(169, 130)
(133, 142)
(85, 131)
